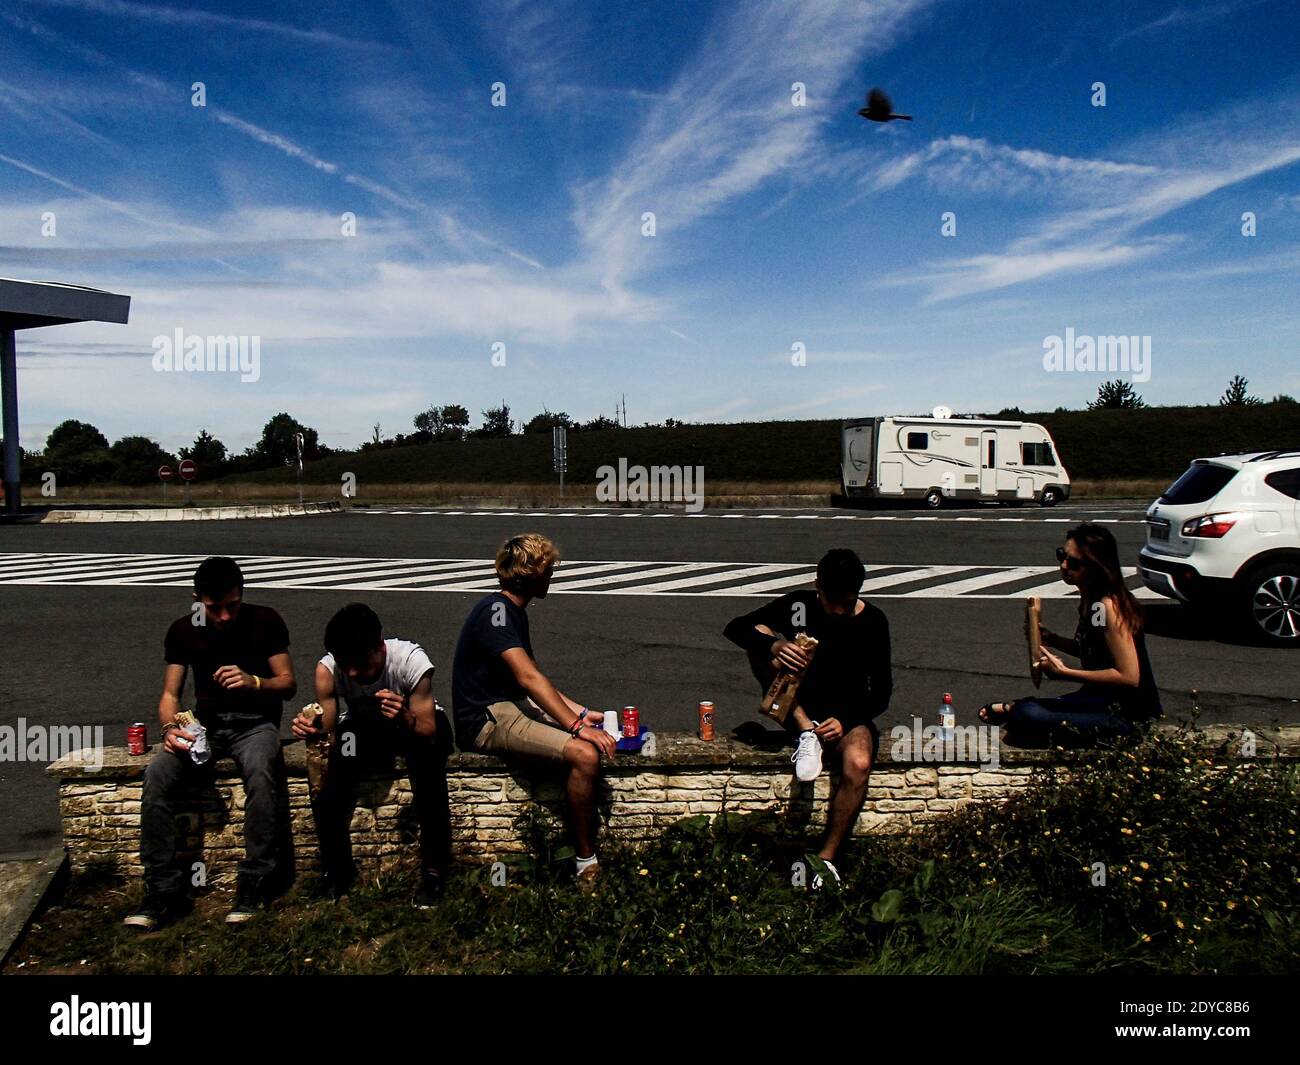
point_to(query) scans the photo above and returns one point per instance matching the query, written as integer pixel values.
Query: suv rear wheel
(1271, 598)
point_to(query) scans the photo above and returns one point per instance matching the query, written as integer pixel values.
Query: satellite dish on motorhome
(942, 413)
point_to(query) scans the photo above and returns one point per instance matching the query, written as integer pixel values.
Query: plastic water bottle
(947, 719)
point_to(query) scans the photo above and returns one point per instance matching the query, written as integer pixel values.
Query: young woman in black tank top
(1118, 694)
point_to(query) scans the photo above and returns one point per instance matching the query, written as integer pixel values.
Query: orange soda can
(706, 721)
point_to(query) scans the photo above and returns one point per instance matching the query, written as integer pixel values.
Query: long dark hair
(1102, 575)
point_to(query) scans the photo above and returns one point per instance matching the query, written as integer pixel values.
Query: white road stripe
(988, 580)
(793, 580)
(364, 572)
(586, 513)
(38, 566)
(732, 574)
(871, 584)
(616, 578)
(118, 571)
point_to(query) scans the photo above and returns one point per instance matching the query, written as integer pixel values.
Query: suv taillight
(1210, 526)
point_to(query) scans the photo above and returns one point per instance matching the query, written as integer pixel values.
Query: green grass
(1201, 861)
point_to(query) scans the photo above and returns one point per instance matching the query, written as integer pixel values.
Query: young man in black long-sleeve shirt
(846, 686)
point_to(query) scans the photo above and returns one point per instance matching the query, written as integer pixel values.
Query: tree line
(78, 453)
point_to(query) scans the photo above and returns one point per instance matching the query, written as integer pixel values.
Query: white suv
(1227, 534)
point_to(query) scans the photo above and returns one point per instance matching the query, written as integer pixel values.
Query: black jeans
(256, 752)
(374, 744)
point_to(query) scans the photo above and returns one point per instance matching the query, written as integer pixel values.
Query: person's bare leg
(583, 761)
(856, 755)
(800, 718)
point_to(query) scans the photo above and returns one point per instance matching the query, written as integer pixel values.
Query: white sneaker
(807, 757)
(817, 880)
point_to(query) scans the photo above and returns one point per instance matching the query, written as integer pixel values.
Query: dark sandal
(992, 716)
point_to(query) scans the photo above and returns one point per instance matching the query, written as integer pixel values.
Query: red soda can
(137, 738)
(706, 721)
(631, 722)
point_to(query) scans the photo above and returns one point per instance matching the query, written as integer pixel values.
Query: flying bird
(880, 108)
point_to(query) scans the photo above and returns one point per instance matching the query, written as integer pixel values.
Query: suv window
(918, 441)
(1285, 481)
(1037, 454)
(1202, 481)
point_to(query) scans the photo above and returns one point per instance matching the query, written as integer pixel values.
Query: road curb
(261, 510)
(18, 909)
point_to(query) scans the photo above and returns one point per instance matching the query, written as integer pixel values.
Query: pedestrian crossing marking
(596, 577)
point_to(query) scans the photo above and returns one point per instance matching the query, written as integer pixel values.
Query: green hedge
(1154, 442)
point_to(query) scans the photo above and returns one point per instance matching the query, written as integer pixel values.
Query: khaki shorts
(520, 729)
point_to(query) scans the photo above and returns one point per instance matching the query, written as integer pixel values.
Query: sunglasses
(1072, 563)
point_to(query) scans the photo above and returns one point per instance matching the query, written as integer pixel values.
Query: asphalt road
(85, 607)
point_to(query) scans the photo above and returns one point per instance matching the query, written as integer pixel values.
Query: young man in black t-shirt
(505, 705)
(846, 686)
(238, 654)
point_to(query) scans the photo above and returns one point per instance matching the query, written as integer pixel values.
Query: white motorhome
(943, 458)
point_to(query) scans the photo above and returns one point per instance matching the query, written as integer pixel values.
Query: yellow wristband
(257, 682)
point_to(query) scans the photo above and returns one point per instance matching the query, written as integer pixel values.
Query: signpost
(188, 471)
(165, 474)
(297, 443)
(560, 453)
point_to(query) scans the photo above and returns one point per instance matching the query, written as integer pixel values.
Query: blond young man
(503, 704)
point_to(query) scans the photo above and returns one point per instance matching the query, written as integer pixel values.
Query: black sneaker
(154, 911)
(430, 893)
(248, 900)
(332, 887)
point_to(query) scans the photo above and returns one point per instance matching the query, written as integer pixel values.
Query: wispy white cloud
(153, 221)
(979, 165)
(1180, 17)
(728, 124)
(830, 398)
(206, 20)
(1097, 224)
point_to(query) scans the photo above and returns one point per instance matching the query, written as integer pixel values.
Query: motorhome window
(992, 462)
(1202, 481)
(918, 441)
(1039, 454)
(1285, 481)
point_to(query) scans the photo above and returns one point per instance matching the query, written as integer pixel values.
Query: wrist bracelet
(257, 683)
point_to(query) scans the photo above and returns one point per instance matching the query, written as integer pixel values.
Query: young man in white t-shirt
(377, 695)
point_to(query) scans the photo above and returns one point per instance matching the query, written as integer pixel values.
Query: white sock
(585, 863)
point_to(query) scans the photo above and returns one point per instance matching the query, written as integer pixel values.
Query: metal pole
(9, 376)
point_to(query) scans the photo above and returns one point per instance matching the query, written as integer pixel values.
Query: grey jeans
(256, 752)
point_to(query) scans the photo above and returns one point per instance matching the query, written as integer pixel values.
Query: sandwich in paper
(779, 699)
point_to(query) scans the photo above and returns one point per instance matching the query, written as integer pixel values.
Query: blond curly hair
(523, 559)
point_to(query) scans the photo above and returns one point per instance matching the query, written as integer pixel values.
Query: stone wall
(640, 797)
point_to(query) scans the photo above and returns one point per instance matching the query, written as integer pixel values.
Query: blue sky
(776, 224)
